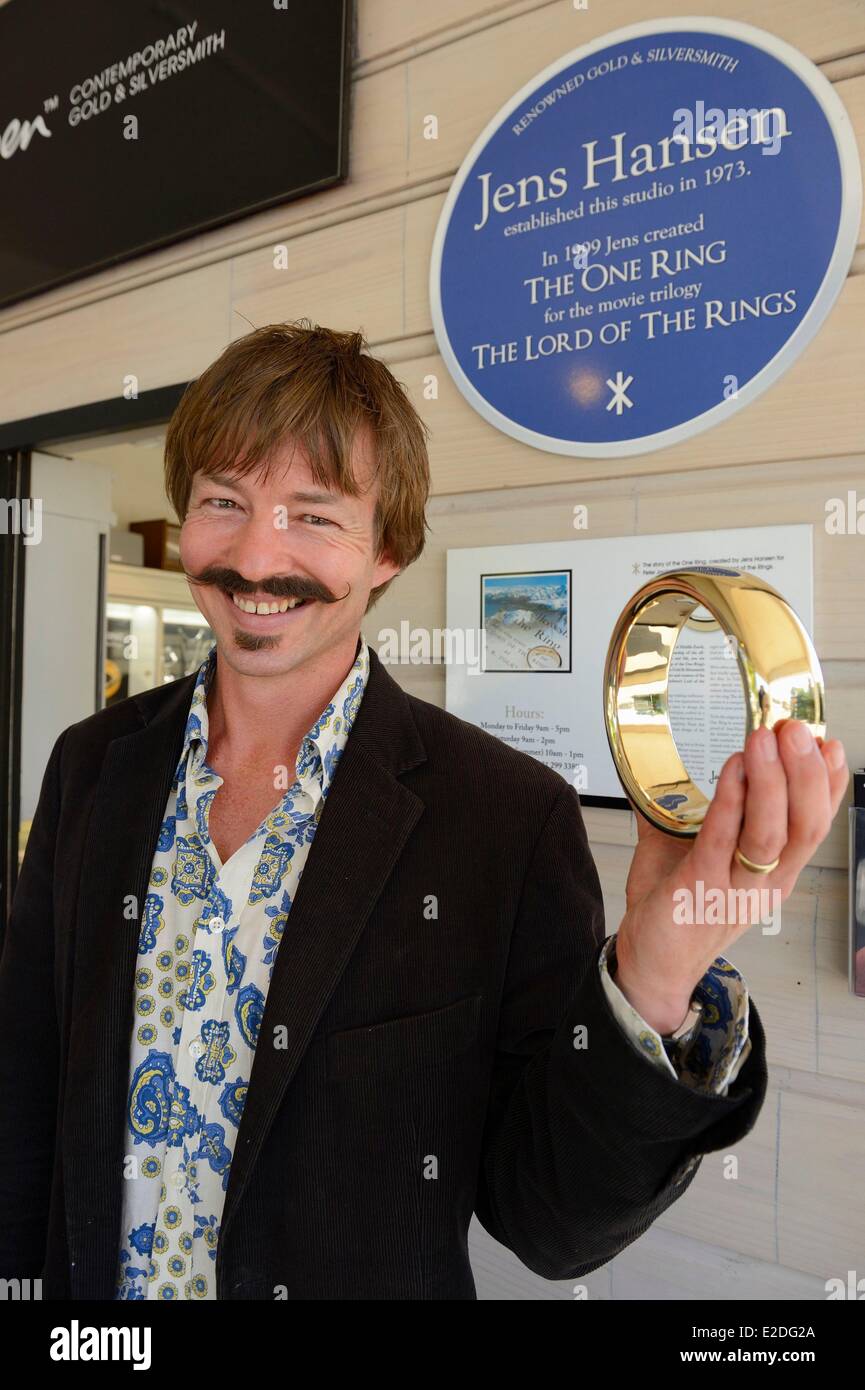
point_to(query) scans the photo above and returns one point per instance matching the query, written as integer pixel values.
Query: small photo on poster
(526, 621)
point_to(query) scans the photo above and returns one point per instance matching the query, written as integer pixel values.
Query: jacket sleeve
(586, 1142)
(29, 1045)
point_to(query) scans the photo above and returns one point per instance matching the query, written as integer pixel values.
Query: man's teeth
(276, 606)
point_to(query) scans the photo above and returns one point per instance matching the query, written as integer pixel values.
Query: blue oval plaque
(645, 237)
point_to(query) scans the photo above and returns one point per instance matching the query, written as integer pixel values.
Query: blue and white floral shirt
(208, 942)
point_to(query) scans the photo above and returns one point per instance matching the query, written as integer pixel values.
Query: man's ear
(392, 569)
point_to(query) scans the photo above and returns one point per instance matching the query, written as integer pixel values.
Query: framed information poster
(540, 617)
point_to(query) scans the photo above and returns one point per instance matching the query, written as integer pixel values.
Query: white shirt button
(196, 1047)
(217, 923)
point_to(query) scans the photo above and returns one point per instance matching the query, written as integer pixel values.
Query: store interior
(127, 621)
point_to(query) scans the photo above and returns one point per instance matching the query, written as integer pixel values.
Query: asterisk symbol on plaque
(618, 387)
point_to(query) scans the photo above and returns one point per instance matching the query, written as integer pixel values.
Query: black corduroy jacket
(441, 950)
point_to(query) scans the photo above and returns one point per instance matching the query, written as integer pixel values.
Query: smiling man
(286, 639)
(313, 969)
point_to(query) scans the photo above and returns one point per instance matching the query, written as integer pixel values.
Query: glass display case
(154, 632)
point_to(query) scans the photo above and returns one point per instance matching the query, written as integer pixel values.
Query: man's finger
(809, 808)
(835, 759)
(719, 833)
(764, 829)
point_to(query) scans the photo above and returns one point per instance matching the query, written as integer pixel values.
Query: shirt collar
(321, 745)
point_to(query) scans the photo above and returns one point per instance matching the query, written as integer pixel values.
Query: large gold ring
(781, 679)
(751, 866)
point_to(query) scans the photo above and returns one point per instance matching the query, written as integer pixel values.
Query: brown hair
(300, 382)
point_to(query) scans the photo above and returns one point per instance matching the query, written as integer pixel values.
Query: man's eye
(325, 520)
(227, 500)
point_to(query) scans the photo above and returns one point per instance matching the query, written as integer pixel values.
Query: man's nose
(259, 549)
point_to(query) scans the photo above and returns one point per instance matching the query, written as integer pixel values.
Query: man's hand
(777, 798)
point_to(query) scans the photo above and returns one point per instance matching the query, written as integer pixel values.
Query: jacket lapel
(367, 818)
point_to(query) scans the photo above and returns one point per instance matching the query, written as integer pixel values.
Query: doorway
(83, 620)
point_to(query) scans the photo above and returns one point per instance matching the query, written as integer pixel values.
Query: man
(301, 970)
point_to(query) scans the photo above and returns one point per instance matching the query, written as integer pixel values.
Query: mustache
(278, 586)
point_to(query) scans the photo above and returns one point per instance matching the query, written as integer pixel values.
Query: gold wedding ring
(751, 866)
(781, 679)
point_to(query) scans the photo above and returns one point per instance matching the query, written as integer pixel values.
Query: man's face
(270, 540)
